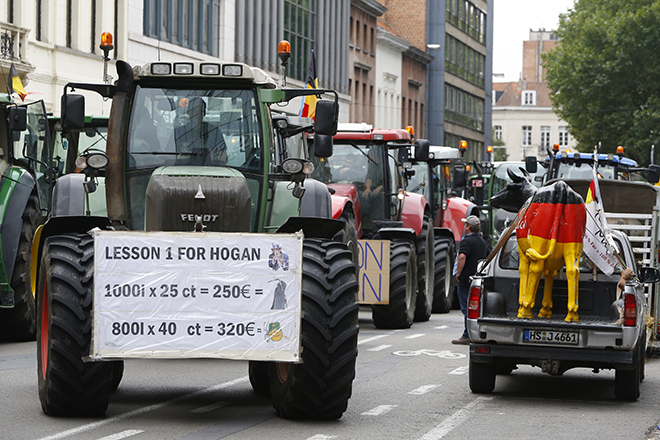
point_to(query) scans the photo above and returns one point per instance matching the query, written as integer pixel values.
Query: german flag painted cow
(549, 235)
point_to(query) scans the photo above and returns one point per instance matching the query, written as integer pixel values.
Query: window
(529, 97)
(300, 31)
(563, 137)
(186, 23)
(545, 136)
(498, 132)
(527, 136)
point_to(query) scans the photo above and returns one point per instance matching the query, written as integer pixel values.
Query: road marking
(373, 338)
(321, 437)
(460, 370)
(441, 327)
(454, 420)
(123, 434)
(207, 408)
(380, 347)
(423, 389)
(418, 335)
(382, 409)
(146, 409)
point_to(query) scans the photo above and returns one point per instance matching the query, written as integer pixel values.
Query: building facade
(522, 111)
(56, 41)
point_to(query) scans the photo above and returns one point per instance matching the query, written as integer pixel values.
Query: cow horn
(513, 176)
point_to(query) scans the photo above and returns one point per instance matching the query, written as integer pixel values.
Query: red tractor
(368, 186)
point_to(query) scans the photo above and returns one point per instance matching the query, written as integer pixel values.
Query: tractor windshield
(194, 127)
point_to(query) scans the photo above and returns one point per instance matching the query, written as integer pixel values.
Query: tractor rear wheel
(400, 312)
(67, 385)
(320, 386)
(20, 322)
(425, 271)
(445, 282)
(259, 377)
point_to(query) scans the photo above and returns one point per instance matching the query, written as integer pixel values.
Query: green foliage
(499, 154)
(604, 75)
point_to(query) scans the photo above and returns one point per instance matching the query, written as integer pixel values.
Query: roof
(444, 152)
(511, 94)
(363, 131)
(589, 157)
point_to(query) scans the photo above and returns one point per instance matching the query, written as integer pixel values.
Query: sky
(512, 21)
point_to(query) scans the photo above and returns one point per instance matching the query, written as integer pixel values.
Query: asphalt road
(410, 384)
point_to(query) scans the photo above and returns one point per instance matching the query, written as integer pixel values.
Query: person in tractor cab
(473, 248)
(348, 170)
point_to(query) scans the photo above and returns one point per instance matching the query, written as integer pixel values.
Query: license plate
(550, 337)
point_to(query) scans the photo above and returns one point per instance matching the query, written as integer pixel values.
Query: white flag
(595, 240)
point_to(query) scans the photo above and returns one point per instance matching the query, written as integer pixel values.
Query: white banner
(595, 242)
(184, 295)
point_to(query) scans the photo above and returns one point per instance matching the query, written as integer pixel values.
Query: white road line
(123, 434)
(373, 338)
(453, 421)
(423, 389)
(321, 437)
(441, 327)
(382, 409)
(207, 408)
(415, 336)
(146, 409)
(380, 347)
(459, 370)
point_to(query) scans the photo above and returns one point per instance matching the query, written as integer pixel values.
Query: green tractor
(214, 243)
(25, 192)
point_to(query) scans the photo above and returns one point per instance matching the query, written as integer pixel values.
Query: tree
(499, 150)
(604, 75)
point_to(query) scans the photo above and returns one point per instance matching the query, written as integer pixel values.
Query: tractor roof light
(106, 44)
(619, 151)
(284, 52)
(489, 149)
(410, 130)
(183, 68)
(462, 145)
(232, 70)
(161, 68)
(555, 148)
(209, 69)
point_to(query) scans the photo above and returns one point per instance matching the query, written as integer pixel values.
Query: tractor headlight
(97, 160)
(293, 166)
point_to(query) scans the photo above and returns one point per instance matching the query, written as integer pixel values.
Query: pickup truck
(610, 334)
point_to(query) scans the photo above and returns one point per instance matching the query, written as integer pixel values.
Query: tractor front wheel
(320, 386)
(400, 312)
(68, 386)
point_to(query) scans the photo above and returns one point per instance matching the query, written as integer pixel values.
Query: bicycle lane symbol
(445, 354)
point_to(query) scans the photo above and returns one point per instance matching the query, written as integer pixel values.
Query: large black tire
(400, 312)
(67, 385)
(117, 374)
(445, 282)
(349, 236)
(425, 271)
(626, 382)
(20, 322)
(482, 377)
(259, 377)
(320, 386)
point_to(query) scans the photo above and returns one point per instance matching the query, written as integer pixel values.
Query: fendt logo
(205, 217)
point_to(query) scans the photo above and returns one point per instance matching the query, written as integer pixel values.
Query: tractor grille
(174, 201)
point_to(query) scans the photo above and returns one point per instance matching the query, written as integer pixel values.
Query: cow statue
(549, 235)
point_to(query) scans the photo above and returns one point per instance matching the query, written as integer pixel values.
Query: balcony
(13, 49)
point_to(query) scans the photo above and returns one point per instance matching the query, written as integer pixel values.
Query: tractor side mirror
(653, 174)
(460, 176)
(18, 118)
(322, 145)
(531, 164)
(73, 111)
(326, 118)
(422, 149)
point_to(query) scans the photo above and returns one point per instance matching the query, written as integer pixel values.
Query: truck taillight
(474, 303)
(629, 310)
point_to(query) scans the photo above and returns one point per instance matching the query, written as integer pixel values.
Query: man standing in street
(473, 248)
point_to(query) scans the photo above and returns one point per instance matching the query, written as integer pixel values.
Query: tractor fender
(458, 209)
(412, 213)
(443, 232)
(18, 184)
(312, 227)
(316, 201)
(391, 233)
(345, 197)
